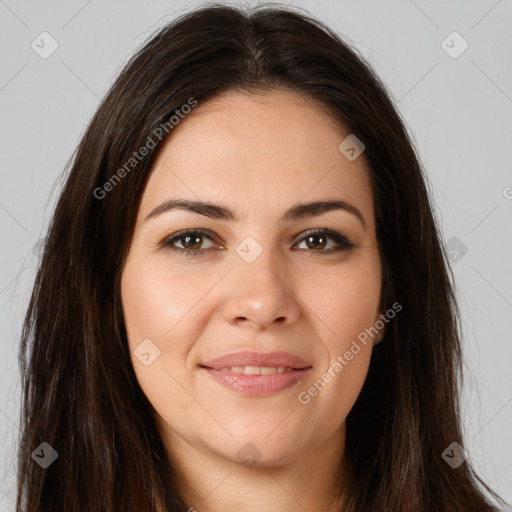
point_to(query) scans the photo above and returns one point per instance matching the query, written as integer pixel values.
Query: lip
(256, 385)
(249, 358)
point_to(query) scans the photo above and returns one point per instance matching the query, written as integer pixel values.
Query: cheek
(157, 309)
(328, 400)
(170, 307)
(156, 300)
(346, 303)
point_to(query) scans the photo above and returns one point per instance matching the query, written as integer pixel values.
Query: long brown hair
(80, 393)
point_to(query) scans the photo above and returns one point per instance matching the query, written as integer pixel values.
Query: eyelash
(344, 243)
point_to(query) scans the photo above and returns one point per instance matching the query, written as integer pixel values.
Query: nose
(260, 294)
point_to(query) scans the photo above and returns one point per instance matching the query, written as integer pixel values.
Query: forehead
(257, 153)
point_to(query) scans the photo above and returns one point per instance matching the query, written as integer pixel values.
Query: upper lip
(248, 358)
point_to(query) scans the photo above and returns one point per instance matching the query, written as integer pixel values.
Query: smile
(256, 381)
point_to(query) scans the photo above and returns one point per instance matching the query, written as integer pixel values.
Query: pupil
(196, 241)
(312, 237)
(193, 242)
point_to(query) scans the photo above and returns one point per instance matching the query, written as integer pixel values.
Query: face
(240, 314)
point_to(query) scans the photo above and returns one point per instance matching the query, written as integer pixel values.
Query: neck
(207, 482)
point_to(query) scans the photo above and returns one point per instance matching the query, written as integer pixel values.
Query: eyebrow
(296, 212)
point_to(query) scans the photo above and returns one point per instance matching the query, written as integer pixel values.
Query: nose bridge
(259, 291)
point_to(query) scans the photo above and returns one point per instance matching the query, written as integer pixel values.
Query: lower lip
(257, 385)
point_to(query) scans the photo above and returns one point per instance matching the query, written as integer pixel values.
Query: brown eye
(192, 242)
(319, 241)
(316, 241)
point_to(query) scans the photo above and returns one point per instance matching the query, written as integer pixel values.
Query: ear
(381, 325)
(379, 337)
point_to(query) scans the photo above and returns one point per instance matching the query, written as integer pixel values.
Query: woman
(243, 303)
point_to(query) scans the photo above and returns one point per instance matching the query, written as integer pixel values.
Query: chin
(255, 448)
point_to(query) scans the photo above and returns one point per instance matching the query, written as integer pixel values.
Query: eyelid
(179, 234)
(343, 243)
(338, 237)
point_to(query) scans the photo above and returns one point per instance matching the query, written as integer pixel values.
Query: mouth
(267, 380)
(257, 374)
(254, 370)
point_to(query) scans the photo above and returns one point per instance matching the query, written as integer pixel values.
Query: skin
(258, 156)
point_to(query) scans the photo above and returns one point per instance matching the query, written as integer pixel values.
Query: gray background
(459, 111)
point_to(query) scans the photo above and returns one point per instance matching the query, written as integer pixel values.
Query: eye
(318, 241)
(192, 243)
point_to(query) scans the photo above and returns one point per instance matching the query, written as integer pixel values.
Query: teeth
(251, 370)
(257, 370)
